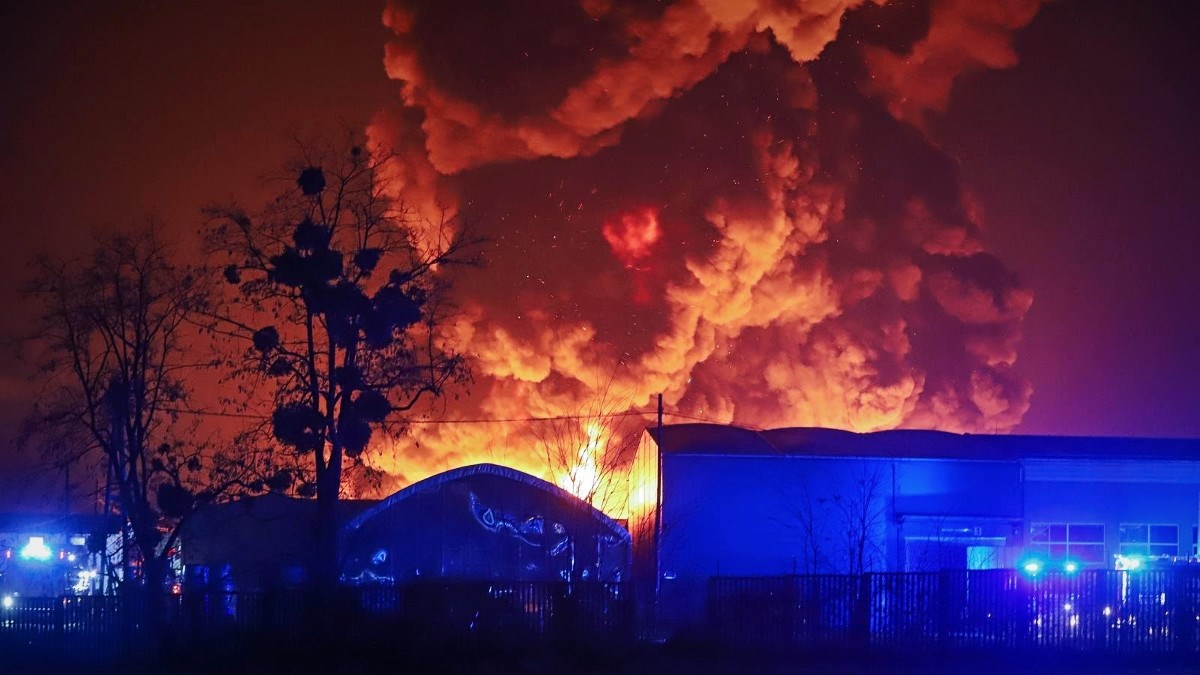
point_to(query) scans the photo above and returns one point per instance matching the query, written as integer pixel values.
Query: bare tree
(862, 512)
(339, 298)
(111, 346)
(808, 517)
(589, 452)
(844, 523)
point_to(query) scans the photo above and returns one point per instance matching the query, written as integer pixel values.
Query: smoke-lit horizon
(611, 211)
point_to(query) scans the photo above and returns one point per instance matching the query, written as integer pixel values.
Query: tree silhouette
(589, 452)
(839, 522)
(113, 343)
(339, 299)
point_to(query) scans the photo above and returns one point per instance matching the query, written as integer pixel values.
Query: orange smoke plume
(810, 259)
(964, 36)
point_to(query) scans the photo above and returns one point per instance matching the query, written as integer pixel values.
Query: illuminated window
(1077, 541)
(1149, 540)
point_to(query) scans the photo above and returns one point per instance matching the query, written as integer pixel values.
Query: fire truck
(53, 554)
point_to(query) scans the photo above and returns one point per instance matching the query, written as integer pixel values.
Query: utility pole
(116, 399)
(658, 518)
(107, 582)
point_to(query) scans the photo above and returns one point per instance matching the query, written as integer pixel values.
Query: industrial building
(255, 543)
(738, 502)
(484, 522)
(479, 522)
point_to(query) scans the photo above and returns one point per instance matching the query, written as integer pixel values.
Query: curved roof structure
(433, 483)
(483, 522)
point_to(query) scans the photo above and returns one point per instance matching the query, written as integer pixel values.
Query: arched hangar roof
(435, 482)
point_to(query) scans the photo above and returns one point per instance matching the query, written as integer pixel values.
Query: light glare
(36, 549)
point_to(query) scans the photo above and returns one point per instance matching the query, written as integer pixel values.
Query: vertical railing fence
(451, 614)
(1148, 611)
(1095, 611)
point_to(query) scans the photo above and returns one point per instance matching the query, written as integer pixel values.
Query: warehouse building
(793, 501)
(484, 522)
(474, 523)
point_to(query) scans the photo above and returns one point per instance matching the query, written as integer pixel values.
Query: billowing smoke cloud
(964, 35)
(649, 52)
(732, 203)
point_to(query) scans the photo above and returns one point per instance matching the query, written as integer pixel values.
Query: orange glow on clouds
(633, 235)
(789, 290)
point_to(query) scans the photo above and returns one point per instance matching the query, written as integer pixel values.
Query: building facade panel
(736, 502)
(1127, 504)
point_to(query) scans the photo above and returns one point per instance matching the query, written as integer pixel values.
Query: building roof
(271, 509)
(433, 483)
(251, 530)
(717, 439)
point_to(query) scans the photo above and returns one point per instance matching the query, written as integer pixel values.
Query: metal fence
(461, 614)
(1092, 611)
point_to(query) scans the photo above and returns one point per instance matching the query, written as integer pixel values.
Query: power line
(214, 413)
(478, 420)
(704, 419)
(492, 420)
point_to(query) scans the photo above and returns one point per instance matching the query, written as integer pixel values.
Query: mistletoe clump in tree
(340, 295)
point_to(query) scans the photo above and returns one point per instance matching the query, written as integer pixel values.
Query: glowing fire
(583, 479)
(633, 235)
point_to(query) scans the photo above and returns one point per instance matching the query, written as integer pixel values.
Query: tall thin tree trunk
(327, 531)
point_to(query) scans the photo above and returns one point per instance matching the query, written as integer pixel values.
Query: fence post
(861, 635)
(943, 609)
(713, 607)
(60, 623)
(1183, 610)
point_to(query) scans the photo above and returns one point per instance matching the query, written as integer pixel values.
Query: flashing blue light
(36, 549)
(8, 602)
(1070, 566)
(1032, 567)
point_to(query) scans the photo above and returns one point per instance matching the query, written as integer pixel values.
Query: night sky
(918, 236)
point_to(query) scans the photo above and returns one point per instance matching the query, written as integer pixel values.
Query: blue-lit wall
(759, 515)
(1114, 493)
(739, 515)
(754, 515)
(744, 515)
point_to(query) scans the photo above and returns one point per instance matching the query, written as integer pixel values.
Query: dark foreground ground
(644, 660)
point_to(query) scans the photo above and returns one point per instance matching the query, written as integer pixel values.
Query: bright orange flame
(583, 478)
(583, 470)
(632, 235)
